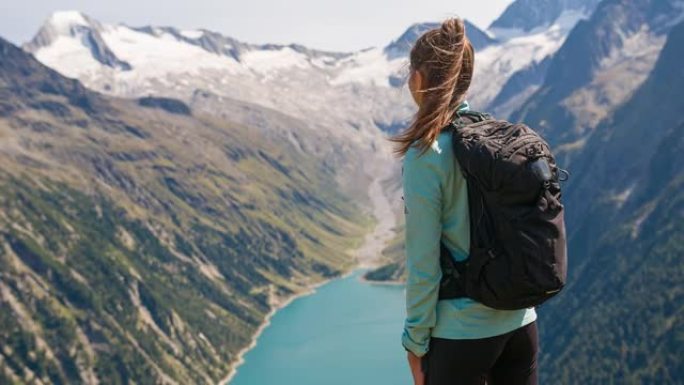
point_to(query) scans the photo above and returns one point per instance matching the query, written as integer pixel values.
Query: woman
(453, 341)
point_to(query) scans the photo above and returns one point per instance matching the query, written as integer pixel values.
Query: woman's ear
(419, 80)
(416, 85)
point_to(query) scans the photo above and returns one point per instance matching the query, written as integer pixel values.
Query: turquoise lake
(347, 332)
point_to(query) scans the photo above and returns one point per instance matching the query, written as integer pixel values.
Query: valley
(164, 192)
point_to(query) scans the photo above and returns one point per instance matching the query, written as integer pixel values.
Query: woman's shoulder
(439, 153)
(440, 149)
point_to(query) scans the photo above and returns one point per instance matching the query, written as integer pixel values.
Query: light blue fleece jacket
(436, 208)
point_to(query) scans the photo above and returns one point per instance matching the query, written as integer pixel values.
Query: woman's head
(441, 68)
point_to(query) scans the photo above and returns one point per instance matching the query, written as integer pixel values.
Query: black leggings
(507, 359)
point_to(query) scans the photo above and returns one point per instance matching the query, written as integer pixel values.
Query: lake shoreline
(366, 257)
(279, 305)
(276, 306)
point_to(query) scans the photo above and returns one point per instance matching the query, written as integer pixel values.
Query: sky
(340, 25)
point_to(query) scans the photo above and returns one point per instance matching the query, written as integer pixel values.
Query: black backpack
(518, 254)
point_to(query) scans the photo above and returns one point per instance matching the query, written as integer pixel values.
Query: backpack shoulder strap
(464, 118)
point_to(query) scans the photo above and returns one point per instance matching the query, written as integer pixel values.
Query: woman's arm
(423, 210)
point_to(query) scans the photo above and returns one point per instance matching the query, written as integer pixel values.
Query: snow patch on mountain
(270, 61)
(84, 31)
(371, 67)
(150, 56)
(641, 43)
(192, 34)
(497, 63)
(63, 21)
(69, 55)
(163, 54)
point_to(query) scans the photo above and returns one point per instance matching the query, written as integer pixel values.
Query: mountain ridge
(161, 56)
(585, 62)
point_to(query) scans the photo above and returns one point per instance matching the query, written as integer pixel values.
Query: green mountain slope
(140, 243)
(621, 319)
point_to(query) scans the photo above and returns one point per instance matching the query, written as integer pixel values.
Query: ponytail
(445, 58)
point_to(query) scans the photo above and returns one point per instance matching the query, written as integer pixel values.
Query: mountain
(361, 94)
(401, 47)
(88, 30)
(513, 55)
(521, 58)
(530, 32)
(519, 87)
(620, 41)
(333, 89)
(526, 15)
(143, 240)
(479, 38)
(620, 319)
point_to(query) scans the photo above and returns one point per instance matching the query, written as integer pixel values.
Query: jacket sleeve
(423, 209)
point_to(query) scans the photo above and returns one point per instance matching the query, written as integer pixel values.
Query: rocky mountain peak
(402, 45)
(64, 25)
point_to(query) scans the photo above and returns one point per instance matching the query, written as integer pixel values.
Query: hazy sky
(333, 25)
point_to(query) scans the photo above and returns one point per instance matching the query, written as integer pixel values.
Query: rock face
(620, 41)
(519, 87)
(142, 241)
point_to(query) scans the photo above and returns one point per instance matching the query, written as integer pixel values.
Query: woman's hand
(416, 369)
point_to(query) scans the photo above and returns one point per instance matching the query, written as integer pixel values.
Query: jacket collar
(464, 106)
